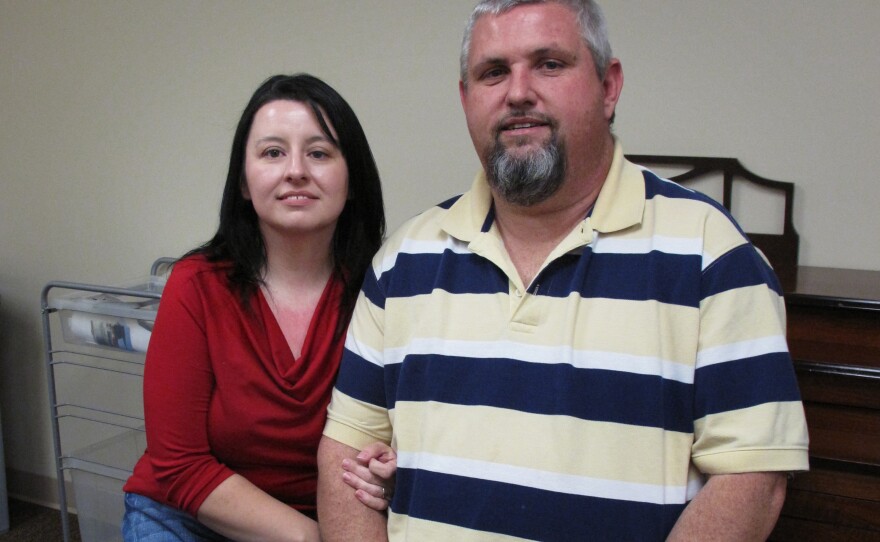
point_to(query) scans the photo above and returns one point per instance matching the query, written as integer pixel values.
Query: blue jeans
(146, 520)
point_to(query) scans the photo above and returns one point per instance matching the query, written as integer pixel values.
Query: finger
(376, 450)
(359, 484)
(376, 503)
(376, 492)
(383, 488)
(383, 470)
(362, 472)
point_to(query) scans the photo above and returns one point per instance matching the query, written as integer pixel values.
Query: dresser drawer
(844, 433)
(834, 335)
(831, 502)
(844, 386)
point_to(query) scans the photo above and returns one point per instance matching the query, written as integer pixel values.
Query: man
(574, 349)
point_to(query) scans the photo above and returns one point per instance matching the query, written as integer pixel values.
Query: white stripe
(741, 350)
(688, 246)
(685, 246)
(549, 481)
(694, 487)
(361, 349)
(416, 246)
(548, 355)
(708, 259)
(665, 180)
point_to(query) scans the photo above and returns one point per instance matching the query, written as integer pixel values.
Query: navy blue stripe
(420, 274)
(449, 203)
(489, 220)
(669, 189)
(587, 394)
(739, 268)
(361, 379)
(725, 387)
(525, 512)
(372, 290)
(668, 278)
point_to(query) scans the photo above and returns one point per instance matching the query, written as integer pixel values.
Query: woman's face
(297, 178)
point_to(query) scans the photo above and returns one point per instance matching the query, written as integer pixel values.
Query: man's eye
(552, 65)
(492, 74)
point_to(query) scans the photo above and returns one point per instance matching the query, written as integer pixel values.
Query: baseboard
(37, 489)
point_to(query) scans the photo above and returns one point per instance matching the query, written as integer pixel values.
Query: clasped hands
(371, 475)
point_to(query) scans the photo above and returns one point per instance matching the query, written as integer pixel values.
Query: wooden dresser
(834, 336)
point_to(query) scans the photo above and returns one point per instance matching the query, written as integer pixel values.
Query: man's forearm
(734, 507)
(341, 517)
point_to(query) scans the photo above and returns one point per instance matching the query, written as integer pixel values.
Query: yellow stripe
(559, 444)
(600, 324)
(742, 440)
(371, 425)
(406, 528)
(739, 306)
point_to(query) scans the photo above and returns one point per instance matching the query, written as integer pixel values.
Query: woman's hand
(372, 475)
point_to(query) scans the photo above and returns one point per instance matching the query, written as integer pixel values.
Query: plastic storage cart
(95, 341)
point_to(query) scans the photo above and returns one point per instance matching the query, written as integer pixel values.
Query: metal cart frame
(58, 356)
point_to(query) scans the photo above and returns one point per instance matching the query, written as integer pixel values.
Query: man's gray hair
(594, 30)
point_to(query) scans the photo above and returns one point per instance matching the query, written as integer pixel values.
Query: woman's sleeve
(178, 385)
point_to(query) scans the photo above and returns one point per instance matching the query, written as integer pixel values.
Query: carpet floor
(34, 523)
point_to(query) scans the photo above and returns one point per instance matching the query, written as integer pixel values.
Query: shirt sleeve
(748, 412)
(178, 384)
(359, 411)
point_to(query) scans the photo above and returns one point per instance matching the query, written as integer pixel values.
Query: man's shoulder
(658, 186)
(681, 212)
(425, 226)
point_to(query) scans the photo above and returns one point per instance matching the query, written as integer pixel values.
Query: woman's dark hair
(359, 229)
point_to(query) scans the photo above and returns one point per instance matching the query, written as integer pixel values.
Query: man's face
(533, 89)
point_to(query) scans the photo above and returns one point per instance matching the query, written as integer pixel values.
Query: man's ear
(462, 93)
(613, 85)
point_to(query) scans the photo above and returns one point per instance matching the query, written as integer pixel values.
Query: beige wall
(116, 118)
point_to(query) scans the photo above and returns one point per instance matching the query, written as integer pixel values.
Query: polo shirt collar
(467, 217)
(621, 201)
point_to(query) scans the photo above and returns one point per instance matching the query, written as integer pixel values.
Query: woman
(251, 325)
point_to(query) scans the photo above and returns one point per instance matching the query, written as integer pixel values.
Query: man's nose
(520, 88)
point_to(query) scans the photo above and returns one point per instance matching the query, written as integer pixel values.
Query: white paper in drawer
(101, 330)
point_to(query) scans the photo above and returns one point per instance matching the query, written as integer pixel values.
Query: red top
(223, 393)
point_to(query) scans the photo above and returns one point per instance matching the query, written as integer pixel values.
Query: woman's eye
(272, 153)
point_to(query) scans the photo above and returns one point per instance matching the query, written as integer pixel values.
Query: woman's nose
(296, 169)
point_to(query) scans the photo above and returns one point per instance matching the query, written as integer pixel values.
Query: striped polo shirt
(648, 352)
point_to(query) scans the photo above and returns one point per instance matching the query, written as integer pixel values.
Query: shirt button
(519, 293)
